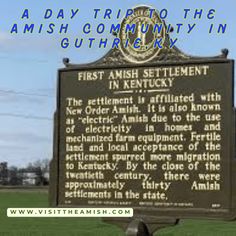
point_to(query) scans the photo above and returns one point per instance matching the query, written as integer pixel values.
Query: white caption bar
(69, 212)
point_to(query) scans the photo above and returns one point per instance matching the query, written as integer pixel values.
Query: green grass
(88, 227)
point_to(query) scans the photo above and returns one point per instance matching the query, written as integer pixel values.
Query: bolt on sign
(146, 127)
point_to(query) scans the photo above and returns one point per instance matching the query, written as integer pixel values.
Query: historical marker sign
(158, 137)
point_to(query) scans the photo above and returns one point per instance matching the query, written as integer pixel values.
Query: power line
(26, 116)
(22, 59)
(24, 94)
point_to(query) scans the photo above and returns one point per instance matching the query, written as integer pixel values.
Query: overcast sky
(29, 62)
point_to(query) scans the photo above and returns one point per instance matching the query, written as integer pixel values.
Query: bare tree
(41, 167)
(13, 176)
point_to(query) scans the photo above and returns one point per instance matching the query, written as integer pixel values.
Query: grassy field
(86, 227)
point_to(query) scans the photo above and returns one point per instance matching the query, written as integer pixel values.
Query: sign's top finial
(144, 38)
